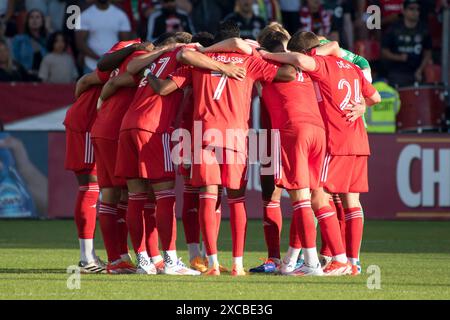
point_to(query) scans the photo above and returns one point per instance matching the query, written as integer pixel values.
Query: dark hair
(42, 30)
(273, 40)
(52, 39)
(206, 39)
(227, 29)
(303, 41)
(165, 38)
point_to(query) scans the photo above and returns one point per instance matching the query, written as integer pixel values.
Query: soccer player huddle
(151, 111)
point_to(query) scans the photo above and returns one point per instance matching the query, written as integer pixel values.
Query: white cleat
(307, 270)
(287, 268)
(145, 266)
(91, 267)
(180, 269)
(325, 261)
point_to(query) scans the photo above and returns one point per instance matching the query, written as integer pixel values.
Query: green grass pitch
(413, 257)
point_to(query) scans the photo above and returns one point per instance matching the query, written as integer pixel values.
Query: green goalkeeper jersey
(351, 57)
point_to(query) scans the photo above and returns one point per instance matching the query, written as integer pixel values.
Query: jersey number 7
(220, 87)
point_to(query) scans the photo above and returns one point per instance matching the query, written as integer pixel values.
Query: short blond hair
(270, 28)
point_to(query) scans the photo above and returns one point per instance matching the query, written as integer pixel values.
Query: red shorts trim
(301, 152)
(79, 151)
(144, 154)
(345, 174)
(220, 166)
(106, 152)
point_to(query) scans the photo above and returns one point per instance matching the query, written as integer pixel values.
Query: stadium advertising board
(409, 177)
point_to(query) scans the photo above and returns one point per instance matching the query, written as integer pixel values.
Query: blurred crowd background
(36, 45)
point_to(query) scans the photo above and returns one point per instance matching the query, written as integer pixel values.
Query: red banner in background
(23, 100)
(409, 177)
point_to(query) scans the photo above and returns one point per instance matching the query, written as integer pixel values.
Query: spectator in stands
(10, 70)
(207, 14)
(342, 14)
(169, 18)
(30, 48)
(407, 47)
(249, 23)
(102, 25)
(58, 66)
(269, 10)
(289, 12)
(314, 17)
(6, 12)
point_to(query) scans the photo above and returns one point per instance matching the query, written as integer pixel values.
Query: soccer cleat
(127, 258)
(198, 264)
(307, 270)
(299, 263)
(144, 265)
(336, 268)
(100, 262)
(180, 269)
(91, 267)
(237, 271)
(356, 269)
(221, 268)
(213, 271)
(120, 267)
(269, 266)
(287, 268)
(160, 267)
(324, 260)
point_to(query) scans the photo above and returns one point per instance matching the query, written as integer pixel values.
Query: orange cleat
(356, 270)
(159, 267)
(214, 271)
(199, 264)
(237, 271)
(336, 268)
(221, 268)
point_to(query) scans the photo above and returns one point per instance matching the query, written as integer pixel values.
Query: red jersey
(221, 103)
(148, 110)
(81, 115)
(291, 103)
(109, 118)
(337, 83)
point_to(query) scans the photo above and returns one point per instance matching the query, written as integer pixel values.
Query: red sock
(304, 220)
(218, 212)
(354, 231)
(151, 232)
(272, 221)
(165, 219)
(329, 227)
(189, 214)
(85, 210)
(325, 248)
(135, 219)
(341, 215)
(294, 237)
(122, 209)
(107, 215)
(238, 221)
(208, 223)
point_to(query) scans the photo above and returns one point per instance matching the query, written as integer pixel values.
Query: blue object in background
(15, 199)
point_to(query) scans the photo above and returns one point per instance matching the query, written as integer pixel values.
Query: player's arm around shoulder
(237, 45)
(160, 86)
(85, 82)
(199, 60)
(296, 59)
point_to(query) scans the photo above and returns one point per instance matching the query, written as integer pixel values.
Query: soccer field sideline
(34, 256)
